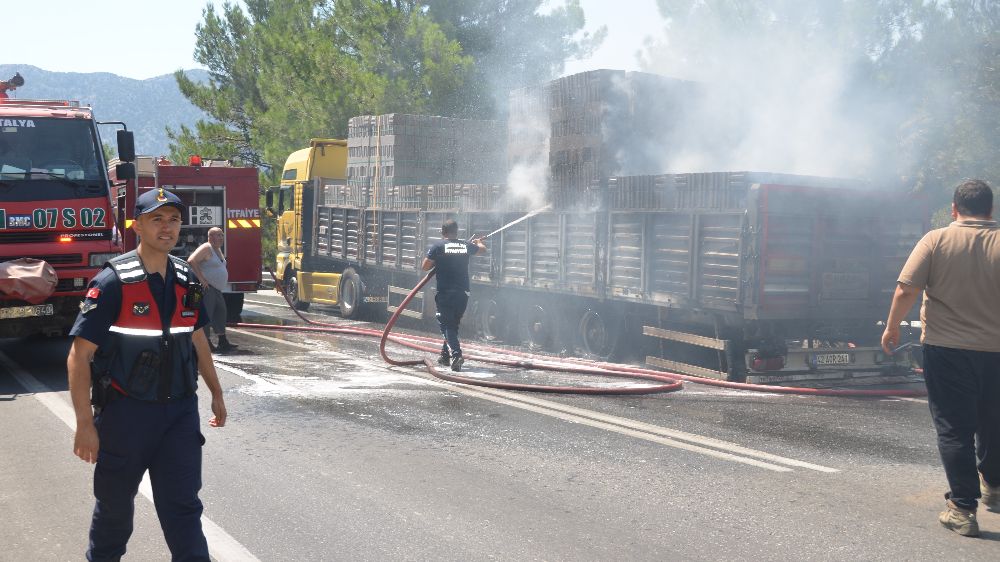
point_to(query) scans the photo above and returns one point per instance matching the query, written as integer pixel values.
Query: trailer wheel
(352, 294)
(492, 320)
(538, 325)
(473, 313)
(600, 333)
(292, 286)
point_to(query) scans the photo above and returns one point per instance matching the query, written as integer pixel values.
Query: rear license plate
(833, 359)
(26, 311)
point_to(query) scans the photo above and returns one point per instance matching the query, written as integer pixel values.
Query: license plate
(26, 311)
(833, 359)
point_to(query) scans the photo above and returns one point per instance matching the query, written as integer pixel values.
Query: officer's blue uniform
(153, 423)
(451, 267)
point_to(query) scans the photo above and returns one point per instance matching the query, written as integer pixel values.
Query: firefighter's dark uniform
(145, 364)
(451, 267)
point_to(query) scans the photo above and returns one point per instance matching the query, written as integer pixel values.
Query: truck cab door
(285, 241)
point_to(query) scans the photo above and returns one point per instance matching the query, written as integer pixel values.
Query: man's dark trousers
(963, 391)
(450, 309)
(165, 438)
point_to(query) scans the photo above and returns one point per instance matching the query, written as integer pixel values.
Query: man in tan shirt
(958, 269)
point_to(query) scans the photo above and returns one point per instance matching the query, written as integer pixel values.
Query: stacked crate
(386, 151)
(338, 194)
(441, 197)
(601, 123)
(641, 192)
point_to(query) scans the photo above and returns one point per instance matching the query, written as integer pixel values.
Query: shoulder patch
(93, 293)
(87, 306)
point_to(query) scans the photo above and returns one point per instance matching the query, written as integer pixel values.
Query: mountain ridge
(147, 106)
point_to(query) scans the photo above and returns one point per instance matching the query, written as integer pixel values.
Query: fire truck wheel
(293, 291)
(352, 294)
(600, 333)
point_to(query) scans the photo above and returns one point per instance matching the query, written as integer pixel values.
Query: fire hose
(667, 382)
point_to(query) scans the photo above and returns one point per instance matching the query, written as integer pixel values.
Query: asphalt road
(331, 455)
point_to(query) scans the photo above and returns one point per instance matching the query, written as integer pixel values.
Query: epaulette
(182, 271)
(127, 267)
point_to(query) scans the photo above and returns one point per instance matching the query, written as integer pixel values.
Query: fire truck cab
(55, 207)
(216, 194)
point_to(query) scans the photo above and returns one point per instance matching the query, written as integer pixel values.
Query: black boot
(224, 345)
(444, 360)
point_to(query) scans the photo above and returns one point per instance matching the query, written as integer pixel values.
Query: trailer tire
(292, 286)
(473, 313)
(600, 333)
(234, 306)
(539, 328)
(492, 320)
(352, 294)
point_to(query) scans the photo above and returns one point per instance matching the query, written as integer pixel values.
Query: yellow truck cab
(306, 174)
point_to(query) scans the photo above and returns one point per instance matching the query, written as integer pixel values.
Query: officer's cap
(156, 198)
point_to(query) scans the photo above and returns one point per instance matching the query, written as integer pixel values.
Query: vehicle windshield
(46, 149)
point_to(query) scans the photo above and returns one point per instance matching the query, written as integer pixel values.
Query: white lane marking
(625, 430)
(62, 409)
(269, 338)
(222, 546)
(665, 436)
(658, 430)
(908, 399)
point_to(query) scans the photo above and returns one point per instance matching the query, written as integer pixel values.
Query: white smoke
(529, 132)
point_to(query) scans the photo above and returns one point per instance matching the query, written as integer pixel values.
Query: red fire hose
(669, 382)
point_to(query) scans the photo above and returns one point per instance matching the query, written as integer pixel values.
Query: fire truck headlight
(97, 260)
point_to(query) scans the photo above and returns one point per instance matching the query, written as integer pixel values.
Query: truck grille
(52, 259)
(35, 237)
(66, 286)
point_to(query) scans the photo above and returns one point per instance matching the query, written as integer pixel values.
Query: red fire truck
(56, 208)
(215, 194)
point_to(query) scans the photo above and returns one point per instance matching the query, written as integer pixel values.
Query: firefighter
(449, 257)
(12, 83)
(136, 355)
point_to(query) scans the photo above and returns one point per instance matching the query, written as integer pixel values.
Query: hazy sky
(145, 38)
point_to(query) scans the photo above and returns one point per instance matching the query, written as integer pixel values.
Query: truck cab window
(40, 150)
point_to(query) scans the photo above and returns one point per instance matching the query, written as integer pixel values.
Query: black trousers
(450, 309)
(963, 391)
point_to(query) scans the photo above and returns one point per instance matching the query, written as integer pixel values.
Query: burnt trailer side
(784, 277)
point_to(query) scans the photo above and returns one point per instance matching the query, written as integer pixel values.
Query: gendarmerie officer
(449, 257)
(139, 339)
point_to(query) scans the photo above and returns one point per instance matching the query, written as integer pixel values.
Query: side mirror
(126, 147)
(281, 204)
(269, 199)
(125, 171)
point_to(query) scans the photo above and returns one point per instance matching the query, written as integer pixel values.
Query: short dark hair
(449, 227)
(973, 198)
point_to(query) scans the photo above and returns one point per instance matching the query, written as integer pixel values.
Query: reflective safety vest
(146, 360)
